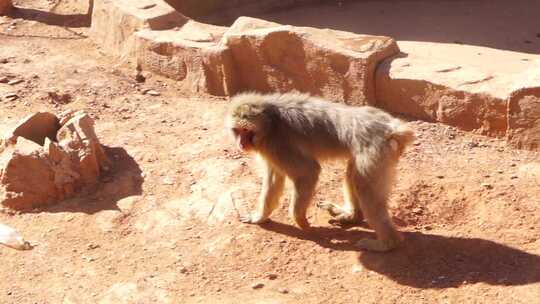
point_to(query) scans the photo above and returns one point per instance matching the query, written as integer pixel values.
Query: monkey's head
(248, 123)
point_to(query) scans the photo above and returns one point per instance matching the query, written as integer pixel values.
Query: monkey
(293, 132)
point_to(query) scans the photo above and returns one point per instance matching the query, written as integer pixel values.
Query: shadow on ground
(51, 18)
(431, 261)
(123, 180)
(500, 24)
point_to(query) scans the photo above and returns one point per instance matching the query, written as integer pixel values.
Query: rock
(114, 23)
(257, 285)
(487, 186)
(11, 96)
(92, 246)
(126, 204)
(524, 110)
(60, 98)
(451, 84)
(67, 115)
(191, 55)
(271, 276)
(442, 89)
(36, 127)
(336, 65)
(4, 79)
(167, 180)
(283, 290)
(250, 56)
(15, 81)
(78, 138)
(26, 177)
(35, 170)
(5, 6)
(357, 268)
(151, 92)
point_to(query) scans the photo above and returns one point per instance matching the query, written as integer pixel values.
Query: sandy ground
(163, 226)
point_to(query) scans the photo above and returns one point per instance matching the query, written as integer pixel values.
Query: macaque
(293, 132)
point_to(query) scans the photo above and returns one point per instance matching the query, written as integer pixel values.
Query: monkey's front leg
(304, 189)
(271, 191)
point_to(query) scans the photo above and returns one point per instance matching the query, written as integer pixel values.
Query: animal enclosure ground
(163, 226)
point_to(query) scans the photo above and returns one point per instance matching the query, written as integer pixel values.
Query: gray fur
(293, 132)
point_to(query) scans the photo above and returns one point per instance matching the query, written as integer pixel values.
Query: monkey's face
(245, 138)
(247, 133)
(248, 125)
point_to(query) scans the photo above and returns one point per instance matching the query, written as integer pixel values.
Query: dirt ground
(162, 227)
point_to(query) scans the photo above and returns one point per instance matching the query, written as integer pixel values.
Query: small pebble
(283, 290)
(167, 181)
(15, 81)
(92, 246)
(257, 285)
(357, 268)
(11, 96)
(487, 185)
(151, 92)
(472, 144)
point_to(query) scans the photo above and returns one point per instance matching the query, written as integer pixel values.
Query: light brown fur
(292, 132)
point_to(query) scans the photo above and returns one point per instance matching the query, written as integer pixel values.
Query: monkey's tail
(403, 135)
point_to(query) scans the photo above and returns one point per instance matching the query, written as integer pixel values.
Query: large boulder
(461, 86)
(524, 110)
(115, 21)
(454, 84)
(26, 177)
(38, 170)
(446, 92)
(36, 127)
(5, 6)
(334, 64)
(191, 55)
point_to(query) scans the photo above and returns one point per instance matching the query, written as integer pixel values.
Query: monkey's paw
(346, 220)
(376, 245)
(252, 219)
(331, 208)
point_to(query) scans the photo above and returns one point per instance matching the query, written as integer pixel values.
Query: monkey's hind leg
(350, 213)
(271, 191)
(373, 188)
